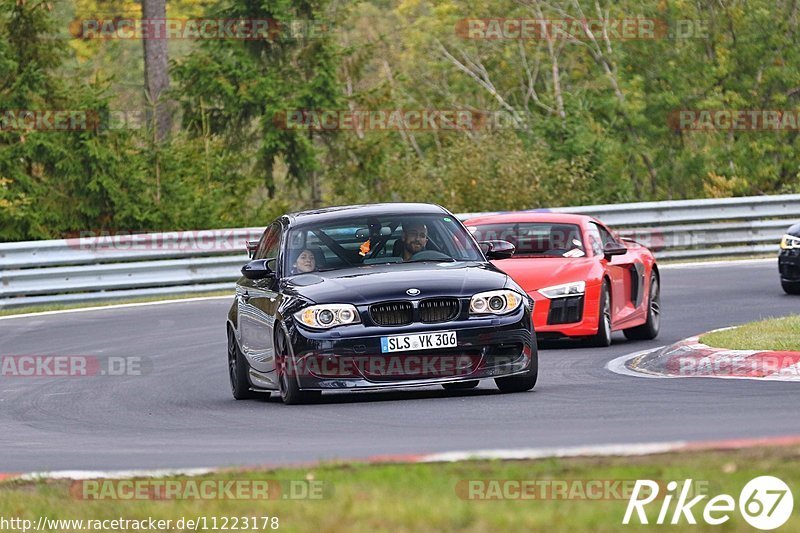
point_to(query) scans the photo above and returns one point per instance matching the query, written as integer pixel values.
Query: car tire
(602, 338)
(790, 287)
(649, 330)
(523, 382)
(461, 386)
(290, 391)
(238, 370)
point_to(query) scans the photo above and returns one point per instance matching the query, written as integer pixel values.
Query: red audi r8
(585, 280)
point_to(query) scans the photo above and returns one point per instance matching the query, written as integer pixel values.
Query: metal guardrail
(96, 268)
(90, 248)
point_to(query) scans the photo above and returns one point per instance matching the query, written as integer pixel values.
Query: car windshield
(386, 239)
(534, 239)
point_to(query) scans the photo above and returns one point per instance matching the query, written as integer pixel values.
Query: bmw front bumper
(350, 357)
(789, 265)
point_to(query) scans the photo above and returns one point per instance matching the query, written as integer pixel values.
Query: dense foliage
(584, 120)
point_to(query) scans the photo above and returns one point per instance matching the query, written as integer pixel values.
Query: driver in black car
(414, 239)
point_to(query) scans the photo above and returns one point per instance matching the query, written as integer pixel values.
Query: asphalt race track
(181, 414)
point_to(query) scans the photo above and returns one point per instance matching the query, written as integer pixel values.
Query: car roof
(328, 214)
(529, 216)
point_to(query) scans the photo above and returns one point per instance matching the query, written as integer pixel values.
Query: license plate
(419, 341)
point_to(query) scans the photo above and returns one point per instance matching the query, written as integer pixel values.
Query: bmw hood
(794, 230)
(375, 283)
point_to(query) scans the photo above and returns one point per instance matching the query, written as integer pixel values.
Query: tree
(240, 87)
(54, 181)
(156, 68)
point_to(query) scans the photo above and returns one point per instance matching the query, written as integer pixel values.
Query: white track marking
(709, 264)
(542, 453)
(114, 474)
(598, 450)
(617, 365)
(119, 306)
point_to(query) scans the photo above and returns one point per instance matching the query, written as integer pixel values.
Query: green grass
(79, 305)
(422, 497)
(771, 334)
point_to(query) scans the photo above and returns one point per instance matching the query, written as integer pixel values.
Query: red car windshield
(534, 239)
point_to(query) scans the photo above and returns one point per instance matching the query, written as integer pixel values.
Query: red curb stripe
(691, 358)
(729, 444)
(736, 444)
(375, 459)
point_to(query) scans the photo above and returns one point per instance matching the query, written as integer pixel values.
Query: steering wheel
(431, 255)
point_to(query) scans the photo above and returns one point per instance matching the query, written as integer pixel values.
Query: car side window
(595, 239)
(270, 243)
(605, 236)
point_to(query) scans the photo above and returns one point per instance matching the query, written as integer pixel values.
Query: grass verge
(81, 305)
(426, 497)
(782, 334)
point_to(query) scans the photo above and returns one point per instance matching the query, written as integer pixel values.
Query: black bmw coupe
(373, 297)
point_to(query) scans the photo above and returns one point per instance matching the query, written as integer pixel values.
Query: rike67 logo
(765, 503)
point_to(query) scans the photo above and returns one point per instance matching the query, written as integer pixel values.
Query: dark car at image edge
(366, 317)
(789, 260)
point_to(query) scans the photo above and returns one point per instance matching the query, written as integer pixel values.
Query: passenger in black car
(305, 262)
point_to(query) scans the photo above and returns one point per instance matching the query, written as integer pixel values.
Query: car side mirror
(258, 269)
(497, 249)
(614, 248)
(251, 246)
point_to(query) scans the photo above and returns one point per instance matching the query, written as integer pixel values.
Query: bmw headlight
(327, 316)
(790, 242)
(495, 302)
(576, 288)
